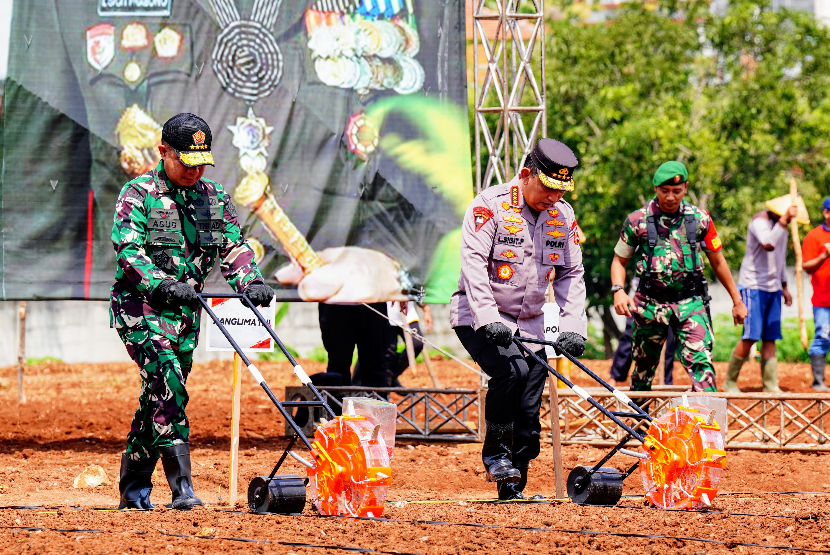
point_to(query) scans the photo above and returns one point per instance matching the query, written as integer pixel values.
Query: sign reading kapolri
(243, 326)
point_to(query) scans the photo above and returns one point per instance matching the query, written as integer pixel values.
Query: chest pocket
(164, 228)
(209, 221)
(509, 254)
(554, 238)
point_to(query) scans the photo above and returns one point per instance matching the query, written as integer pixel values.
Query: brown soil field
(78, 415)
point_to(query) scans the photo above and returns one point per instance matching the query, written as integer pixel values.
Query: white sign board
(242, 324)
(551, 312)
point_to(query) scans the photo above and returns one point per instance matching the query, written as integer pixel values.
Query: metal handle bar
(581, 392)
(620, 396)
(298, 370)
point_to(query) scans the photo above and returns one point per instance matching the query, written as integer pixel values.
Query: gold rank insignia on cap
(196, 158)
(557, 182)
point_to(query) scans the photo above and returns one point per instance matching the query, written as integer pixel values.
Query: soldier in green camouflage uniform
(668, 232)
(170, 227)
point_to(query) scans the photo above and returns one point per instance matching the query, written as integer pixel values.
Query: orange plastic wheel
(352, 474)
(686, 459)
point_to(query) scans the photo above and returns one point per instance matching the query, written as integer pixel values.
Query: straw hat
(779, 206)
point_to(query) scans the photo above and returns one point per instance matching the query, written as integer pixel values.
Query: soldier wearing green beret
(668, 234)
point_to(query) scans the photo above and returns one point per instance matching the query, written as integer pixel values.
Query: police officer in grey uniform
(516, 238)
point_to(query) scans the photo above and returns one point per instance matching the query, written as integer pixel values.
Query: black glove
(260, 294)
(176, 293)
(497, 334)
(571, 343)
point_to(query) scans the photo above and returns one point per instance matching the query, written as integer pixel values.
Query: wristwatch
(615, 288)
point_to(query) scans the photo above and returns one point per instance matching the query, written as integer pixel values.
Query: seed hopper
(682, 457)
(348, 472)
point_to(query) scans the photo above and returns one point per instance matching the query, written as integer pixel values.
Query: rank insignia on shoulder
(509, 254)
(513, 229)
(554, 257)
(514, 195)
(155, 8)
(505, 271)
(100, 45)
(481, 215)
(514, 219)
(554, 222)
(555, 233)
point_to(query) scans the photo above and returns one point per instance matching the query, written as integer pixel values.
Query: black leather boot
(176, 463)
(496, 453)
(512, 491)
(136, 483)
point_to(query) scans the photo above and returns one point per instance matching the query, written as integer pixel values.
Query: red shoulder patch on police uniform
(712, 241)
(481, 215)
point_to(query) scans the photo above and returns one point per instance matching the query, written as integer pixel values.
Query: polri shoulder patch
(481, 215)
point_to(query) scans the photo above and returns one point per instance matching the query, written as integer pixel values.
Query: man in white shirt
(762, 282)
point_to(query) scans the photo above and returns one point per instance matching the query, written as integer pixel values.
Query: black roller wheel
(282, 494)
(603, 487)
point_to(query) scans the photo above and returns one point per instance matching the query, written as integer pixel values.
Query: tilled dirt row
(78, 415)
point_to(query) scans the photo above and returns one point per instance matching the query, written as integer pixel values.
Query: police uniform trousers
(160, 420)
(514, 393)
(346, 326)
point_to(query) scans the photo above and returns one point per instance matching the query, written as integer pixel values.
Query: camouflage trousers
(692, 329)
(160, 420)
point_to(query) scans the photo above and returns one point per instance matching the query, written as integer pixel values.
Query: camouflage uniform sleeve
(627, 244)
(238, 265)
(129, 234)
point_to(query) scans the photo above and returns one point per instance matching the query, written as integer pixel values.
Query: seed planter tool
(349, 471)
(683, 455)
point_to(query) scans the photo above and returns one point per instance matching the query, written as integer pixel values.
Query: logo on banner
(156, 8)
(100, 45)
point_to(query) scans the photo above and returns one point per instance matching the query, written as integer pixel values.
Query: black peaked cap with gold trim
(556, 163)
(190, 136)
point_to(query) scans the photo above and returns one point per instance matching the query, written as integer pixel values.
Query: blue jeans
(821, 341)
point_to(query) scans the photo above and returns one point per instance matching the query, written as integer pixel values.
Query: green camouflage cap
(671, 172)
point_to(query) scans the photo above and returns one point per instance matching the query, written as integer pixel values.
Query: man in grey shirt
(762, 282)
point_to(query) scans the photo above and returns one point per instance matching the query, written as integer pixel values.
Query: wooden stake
(556, 437)
(21, 352)
(802, 324)
(235, 410)
(410, 349)
(430, 369)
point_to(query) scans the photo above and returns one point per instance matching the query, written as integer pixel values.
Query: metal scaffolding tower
(508, 94)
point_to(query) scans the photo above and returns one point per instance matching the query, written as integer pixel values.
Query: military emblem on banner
(167, 43)
(100, 45)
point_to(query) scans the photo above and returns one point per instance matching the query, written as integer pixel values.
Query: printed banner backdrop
(339, 128)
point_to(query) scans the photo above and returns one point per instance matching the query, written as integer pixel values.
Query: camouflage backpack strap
(651, 240)
(692, 223)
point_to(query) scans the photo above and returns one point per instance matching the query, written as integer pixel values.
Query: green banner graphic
(339, 128)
